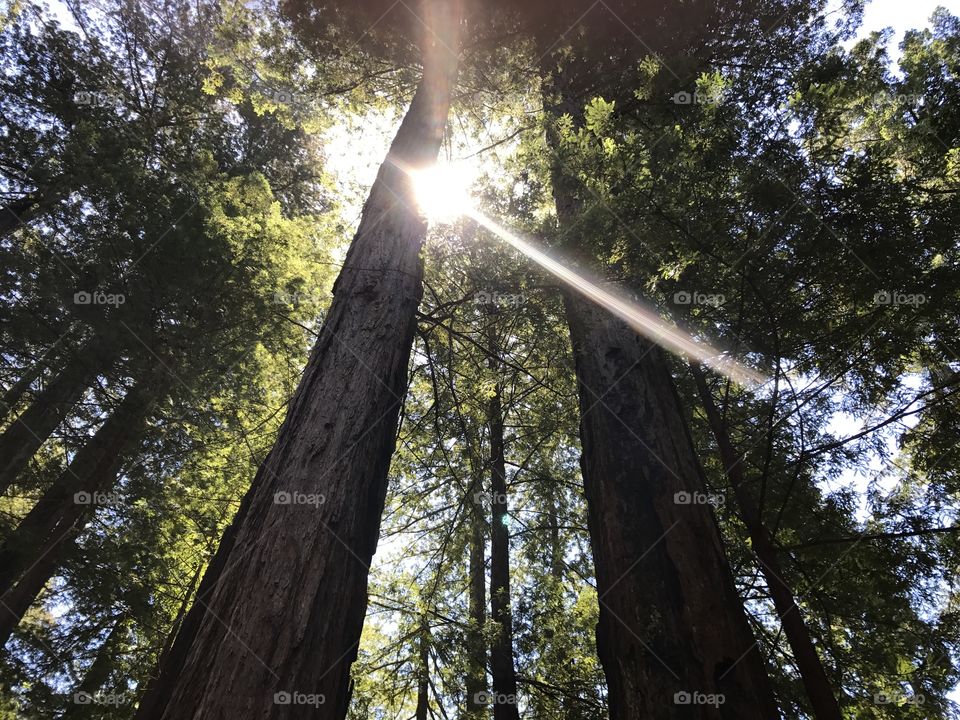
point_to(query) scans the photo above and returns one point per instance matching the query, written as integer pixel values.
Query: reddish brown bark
(279, 614)
(673, 637)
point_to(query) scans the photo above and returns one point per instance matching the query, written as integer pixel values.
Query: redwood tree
(282, 605)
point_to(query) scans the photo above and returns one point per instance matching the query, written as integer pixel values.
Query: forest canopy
(469, 359)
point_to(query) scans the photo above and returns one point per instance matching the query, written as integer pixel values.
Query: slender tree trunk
(24, 436)
(181, 614)
(815, 681)
(672, 637)
(13, 394)
(501, 651)
(73, 496)
(423, 671)
(476, 684)
(17, 600)
(281, 616)
(44, 539)
(98, 674)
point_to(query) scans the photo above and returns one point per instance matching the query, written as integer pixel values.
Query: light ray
(454, 200)
(647, 323)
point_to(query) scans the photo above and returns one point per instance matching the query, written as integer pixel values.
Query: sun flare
(443, 191)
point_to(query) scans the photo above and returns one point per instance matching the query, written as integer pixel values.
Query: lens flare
(647, 323)
(443, 191)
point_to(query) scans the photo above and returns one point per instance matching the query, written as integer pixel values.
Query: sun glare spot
(443, 191)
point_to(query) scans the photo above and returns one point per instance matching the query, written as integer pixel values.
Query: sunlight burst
(443, 191)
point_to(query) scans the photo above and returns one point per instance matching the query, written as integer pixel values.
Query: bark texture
(279, 614)
(672, 636)
(815, 681)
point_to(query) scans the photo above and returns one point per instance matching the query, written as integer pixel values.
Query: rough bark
(672, 626)
(284, 606)
(815, 682)
(45, 538)
(24, 436)
(501, 650)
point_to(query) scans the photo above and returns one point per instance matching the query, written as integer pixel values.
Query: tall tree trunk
(57, 352)
(423, 671)
(815, 681)
(43, 540)
(13, 394)
(501, 651)
(24, 436)
(672, 637)
(284, 607)
(18, 599)
(476, 683)
(185, 602)
(98, 674)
